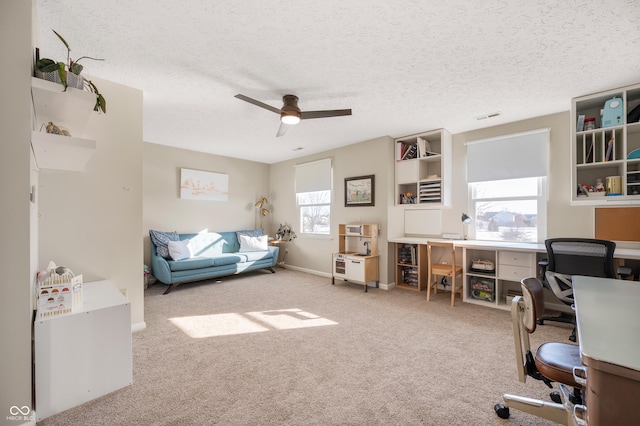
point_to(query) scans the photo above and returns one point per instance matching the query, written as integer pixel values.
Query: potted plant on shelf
(68, 74)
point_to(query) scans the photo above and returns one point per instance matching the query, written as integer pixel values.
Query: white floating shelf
(61, 152)
(70, 109)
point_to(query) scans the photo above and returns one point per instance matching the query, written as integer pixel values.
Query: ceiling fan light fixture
(290, 118)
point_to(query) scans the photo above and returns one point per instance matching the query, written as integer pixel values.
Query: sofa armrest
(276, 252)
(160, 267)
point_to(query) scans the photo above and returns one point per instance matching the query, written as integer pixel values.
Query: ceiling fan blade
(324, 114)
(258, 103)
(282, 129)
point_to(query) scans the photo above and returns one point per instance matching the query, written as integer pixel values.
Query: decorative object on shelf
(466, 220)
(56, 130)
(612, 112)
(614, 185)
(200, 185)
(59, 291)
(68, 74)
(262, 208)
(285, 233)
(359, 191)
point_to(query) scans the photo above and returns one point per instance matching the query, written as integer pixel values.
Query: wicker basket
(73, 80)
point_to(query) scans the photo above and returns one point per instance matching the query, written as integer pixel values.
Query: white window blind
(520, 155)
(313, 176)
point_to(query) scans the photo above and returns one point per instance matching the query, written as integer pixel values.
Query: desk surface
(608, 320)
(620, 253)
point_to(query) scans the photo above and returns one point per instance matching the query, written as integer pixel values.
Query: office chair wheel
(555, 397)
(501, 411)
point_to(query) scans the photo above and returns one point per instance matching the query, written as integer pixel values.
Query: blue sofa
(212, 254)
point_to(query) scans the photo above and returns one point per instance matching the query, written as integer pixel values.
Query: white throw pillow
(179, 250)
(253, 243)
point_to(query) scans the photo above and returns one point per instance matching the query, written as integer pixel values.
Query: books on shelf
(407, 255)
(609, 154)
(411, 151)
(424, 148)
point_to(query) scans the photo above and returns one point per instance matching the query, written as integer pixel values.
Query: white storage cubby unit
(611, 148)
(83, 355)
(494, 288)
(68, 109)
(423, 169)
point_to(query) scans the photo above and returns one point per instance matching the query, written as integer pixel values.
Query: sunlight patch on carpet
(285, 319)
(201, 326)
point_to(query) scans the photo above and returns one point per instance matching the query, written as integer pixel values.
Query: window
(507, 179)
(313, 197)
(509, 210)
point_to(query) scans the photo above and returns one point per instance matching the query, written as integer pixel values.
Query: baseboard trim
(327, 275)
(139, 326)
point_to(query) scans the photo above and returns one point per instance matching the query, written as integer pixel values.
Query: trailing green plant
(49, 65)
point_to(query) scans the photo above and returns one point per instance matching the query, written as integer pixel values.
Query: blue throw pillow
(161, 241)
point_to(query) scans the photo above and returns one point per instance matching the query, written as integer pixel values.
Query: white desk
(513, 262)
(608, 322)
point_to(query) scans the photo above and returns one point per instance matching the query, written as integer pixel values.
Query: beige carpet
(291, 349)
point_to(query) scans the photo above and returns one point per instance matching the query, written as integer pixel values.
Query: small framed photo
(360, 191)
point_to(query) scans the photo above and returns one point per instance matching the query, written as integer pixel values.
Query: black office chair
(553, 362)
(575, 256)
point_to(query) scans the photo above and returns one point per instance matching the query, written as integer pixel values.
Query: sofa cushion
(179, 250)
(248, 243)
(252, 256)
(161, 240)
(191, 263)
(229, 259)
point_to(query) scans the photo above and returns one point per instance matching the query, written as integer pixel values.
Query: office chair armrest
(624, 272)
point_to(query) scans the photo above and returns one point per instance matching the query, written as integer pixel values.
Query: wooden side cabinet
(85, 354)
(410, 273)
(357, 256)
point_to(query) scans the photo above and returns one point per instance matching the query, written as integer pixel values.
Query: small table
(280, 243)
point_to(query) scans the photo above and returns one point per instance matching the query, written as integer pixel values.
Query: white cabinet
(423, 169)
(495, 287)
(83, 355)
(610, 149)
(356, 269)
(68, 109)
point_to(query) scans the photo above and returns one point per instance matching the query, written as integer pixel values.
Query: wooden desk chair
(449, 269)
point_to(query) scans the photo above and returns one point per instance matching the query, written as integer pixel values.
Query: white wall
(374, 157)
(16, 253)
(165, 211)
(563, 220)
(91, 221)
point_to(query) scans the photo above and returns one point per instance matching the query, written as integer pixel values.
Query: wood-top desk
(608, 322)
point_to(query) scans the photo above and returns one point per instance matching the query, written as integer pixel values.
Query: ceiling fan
(290, 113)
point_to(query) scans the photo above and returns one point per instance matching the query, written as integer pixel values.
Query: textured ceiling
(402, 66)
